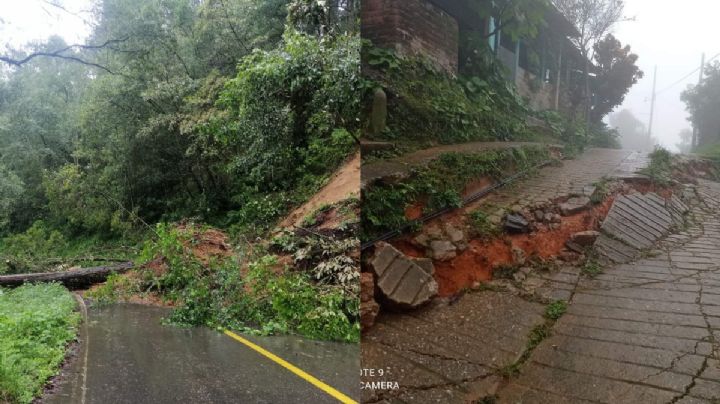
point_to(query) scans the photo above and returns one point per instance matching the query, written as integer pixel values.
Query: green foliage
(702, 102)
(36, 324)
(439, 185)
(115, 287)
(11, 190)
(320, 302)
(312, 86)
(481, 225)
(660, 168)
(591, 268)
(556, 309)
(429, 106)
(617, 73)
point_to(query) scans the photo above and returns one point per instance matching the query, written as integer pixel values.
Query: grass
(36, 324)
(556, 309)
(538, 334)
(591, 268)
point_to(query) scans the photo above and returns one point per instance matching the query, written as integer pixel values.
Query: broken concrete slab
(636, 222)
(575, 205)
(442, 250)
(369, 308)
(585, 238)
(516, 224)
(401, 281)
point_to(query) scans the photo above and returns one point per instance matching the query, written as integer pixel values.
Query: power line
(686, 76)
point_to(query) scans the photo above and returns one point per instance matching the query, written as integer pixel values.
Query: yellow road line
(289, 366)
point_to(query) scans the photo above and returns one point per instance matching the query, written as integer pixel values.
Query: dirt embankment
(344, 184)
(545, 242)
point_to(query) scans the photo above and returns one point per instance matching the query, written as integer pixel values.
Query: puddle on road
(134, 358)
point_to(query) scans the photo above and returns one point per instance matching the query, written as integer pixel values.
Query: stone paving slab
(644, 332)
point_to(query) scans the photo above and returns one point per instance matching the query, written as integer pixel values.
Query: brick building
(542, 68)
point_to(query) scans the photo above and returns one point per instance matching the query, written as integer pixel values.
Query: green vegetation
(481, 225)
(537, 334)
(427, 106)
(222, 113)
(439, 185)
(36, 324)
(591, 268)
(556, 309)
(660, 168)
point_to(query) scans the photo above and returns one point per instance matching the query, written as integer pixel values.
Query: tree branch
(60, 54)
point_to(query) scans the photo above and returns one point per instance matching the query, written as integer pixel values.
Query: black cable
(470, 199)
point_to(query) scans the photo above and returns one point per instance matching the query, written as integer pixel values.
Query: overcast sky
(35, 20)
(668, 34)
(671, 35)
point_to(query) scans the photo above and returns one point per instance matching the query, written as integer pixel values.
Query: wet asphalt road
(133, 358)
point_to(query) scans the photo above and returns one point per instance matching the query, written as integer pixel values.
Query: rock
(574, 247)
(369, 308)
(569, 256)
(426, 264)
(574, 205)
(548, 218)
(516, 224)
(442, 250)
(518, 255)
(519, 276)
(557, 218)
(539, 215)
(585, 238)
(554, 226)
(367, 287)
(456, 236)
(422, 240)
(433, 232)
(589, 190)
(400, 280)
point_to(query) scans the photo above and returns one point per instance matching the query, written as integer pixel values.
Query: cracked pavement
(644, 332)
(641, 332)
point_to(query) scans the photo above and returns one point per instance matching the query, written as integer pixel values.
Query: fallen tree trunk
(77, 279)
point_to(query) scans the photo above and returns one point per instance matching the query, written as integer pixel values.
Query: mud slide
(344, 184)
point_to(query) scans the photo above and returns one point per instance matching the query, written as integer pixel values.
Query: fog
(35, 20)
(671, 35)
(665, 33)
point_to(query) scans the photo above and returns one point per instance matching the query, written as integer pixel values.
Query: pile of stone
(442, 242)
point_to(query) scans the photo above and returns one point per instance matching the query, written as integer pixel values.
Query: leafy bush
(660, 168)
(429, 106)
(439, 185)
(311, 85)
(262, 299)
(36, 324)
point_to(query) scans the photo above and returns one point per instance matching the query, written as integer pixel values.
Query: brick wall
(412, 27)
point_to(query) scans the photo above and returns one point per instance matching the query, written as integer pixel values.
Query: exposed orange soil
(344, 184)
(477, 262)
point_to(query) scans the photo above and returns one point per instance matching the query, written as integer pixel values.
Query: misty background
(671, 35)
(668, 34)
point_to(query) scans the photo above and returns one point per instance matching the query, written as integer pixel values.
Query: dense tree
(616, 72)
(594, 20)
(703, 103)
(175, 123)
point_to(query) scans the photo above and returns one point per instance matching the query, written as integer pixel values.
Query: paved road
(646, 332)
(132, 358)
(449, 353)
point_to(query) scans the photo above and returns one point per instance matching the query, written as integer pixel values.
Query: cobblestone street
(645, 332)
(642, 332)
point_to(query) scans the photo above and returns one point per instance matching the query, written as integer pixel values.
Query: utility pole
(652, 104)
(694, 142)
